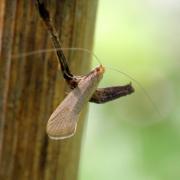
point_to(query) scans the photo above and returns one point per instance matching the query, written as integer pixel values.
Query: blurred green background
(128, 139)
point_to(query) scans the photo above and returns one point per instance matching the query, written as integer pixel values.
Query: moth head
(100, 69)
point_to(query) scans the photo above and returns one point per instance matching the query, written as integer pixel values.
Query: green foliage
(127, 139)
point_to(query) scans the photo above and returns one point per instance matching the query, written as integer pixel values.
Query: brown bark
(31, 87)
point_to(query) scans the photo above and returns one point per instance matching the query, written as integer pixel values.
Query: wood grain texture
(31, 87)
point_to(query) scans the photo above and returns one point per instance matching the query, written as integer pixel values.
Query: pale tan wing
(63, 121)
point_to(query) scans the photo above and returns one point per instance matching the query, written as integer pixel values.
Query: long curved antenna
(56, 42)
(25, 54)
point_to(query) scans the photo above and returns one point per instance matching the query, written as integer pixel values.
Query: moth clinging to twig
(62, 123)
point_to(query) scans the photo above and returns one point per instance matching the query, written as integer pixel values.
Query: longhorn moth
(63, 121)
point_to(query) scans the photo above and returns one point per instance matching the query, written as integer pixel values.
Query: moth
(63, 121)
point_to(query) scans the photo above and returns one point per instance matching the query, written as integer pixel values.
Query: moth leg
(103, 95)
(44, 13)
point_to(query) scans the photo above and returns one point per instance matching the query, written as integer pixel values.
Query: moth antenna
(26, 54)
(141, 87)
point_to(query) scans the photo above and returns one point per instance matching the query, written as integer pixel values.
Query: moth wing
(63, 121)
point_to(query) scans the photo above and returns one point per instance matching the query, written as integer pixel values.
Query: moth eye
(100, 69)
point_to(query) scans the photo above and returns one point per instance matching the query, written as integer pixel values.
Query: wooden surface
(31, 87)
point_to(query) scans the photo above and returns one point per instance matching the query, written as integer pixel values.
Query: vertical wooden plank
(31, 87)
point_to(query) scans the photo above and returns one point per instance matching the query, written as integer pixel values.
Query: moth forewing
(62, 123)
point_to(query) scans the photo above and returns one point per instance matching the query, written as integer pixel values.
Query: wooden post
(31, 87)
